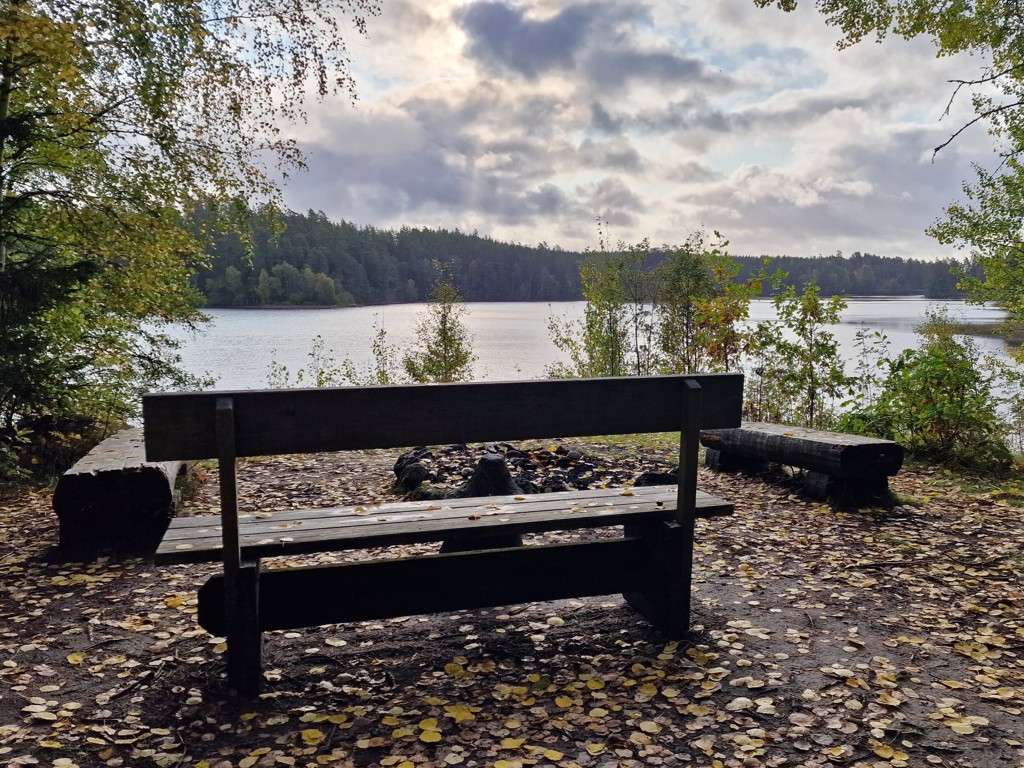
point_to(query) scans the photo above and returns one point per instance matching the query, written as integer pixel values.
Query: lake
(510, 339)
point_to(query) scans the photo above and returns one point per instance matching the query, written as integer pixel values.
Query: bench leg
(666, 602)
(245, 641)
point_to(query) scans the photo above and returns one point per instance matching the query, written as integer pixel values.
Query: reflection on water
(510, 340)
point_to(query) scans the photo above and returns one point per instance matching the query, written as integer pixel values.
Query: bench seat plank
(292, 532)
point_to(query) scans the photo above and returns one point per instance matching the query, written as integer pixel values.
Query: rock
(412, 476)
(416, 455)
(656, 478)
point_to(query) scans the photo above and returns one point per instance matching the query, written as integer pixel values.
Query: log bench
(650, 562)
(113, 500)
(850, 467)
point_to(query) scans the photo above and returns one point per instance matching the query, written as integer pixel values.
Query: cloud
(502, 38)
(526, 119)
(618, 153)
(600, 41)
(613, 70)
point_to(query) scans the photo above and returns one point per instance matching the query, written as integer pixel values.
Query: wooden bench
(113, 500)
(851, 467)
(651, 562)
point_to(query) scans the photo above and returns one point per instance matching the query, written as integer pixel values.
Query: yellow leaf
(961, 726)
(595, 684)
(312, 736)
(564, 701)
(595, 749)
(509, 743)
(883, 750)
(460, 713)
(430, 737)
(553, 755)
(649, 726)
(76, 658)
(428, 724)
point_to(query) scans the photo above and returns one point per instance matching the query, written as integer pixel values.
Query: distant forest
(315, 261)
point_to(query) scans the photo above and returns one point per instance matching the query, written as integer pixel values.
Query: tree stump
(490, 478)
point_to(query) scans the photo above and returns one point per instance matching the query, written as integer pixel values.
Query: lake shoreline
(511, 340)
(767, 297)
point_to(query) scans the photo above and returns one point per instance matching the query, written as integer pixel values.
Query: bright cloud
(527, 120)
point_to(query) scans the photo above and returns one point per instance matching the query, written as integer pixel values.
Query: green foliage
(990, 225)
(702, 307)
(115, 117)
(384, 369)
(941, 401)
(445, 349)
(872, 358)
(797, 374)
(649, 311)
(368, 265)
(322, 371)
(613, 337)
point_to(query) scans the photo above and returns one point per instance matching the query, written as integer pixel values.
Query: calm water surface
(511, 340)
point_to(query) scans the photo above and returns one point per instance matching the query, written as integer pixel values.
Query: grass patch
(639, 444)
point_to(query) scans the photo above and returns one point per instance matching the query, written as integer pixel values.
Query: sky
(527, 121)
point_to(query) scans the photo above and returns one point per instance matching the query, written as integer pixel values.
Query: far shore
(1014, 336)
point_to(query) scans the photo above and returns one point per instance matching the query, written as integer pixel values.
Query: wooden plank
(181, 425)
(343, 528)
(455, 509)
(292, 598)
(114, 500)
(831, 453)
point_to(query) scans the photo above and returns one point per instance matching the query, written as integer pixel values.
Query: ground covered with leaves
(878, 637)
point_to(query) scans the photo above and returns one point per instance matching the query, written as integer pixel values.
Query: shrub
(940, 402)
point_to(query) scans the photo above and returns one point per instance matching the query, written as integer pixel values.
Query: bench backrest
(182, 425)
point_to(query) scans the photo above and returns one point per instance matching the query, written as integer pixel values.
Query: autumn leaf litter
(879, 637)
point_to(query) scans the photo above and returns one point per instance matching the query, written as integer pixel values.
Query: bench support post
(686, 510)
(666, 603)
(241, 580)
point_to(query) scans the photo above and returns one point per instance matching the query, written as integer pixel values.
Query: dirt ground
(878, 637)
